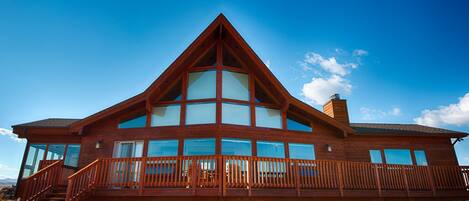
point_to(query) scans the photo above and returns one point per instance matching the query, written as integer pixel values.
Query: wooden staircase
(58, 194)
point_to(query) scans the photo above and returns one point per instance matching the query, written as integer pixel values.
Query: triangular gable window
(229, 59)
(296, 124)
(261, 95)
(209, 59)
(175, 94)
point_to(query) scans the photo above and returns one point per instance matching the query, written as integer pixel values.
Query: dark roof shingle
(51, 122)
(400, 129)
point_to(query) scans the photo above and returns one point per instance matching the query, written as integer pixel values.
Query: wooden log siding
(249, 173)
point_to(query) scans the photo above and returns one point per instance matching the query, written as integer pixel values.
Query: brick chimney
(337, 109)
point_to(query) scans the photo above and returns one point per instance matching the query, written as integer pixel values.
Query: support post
(378, 181)
(340, 178)
(142, 175)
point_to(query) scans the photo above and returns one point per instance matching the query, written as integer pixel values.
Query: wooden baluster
(143, 166)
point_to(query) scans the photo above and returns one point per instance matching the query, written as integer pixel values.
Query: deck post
(339, 177)
(194, 172)
(378, 181)
(142, 175)
(406, 182)
(297, 178)
(250, 176)
(432, 182)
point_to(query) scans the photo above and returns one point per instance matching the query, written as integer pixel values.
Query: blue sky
(396, 61)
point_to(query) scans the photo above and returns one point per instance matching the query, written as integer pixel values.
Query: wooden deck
(264, 177)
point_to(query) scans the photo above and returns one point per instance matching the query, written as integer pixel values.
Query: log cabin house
(217, 125)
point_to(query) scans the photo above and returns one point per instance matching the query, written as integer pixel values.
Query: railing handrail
(83, 169)
(44, 179)
(45, 169)
(250, 172)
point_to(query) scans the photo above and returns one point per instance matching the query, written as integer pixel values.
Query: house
(218, 125)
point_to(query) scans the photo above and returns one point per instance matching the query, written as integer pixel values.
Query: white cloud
(395, 111)
(267, 63)
(319, 89)
(359, 52)
(370, 114)
(11, 135)
(453, 114)
(7, 172)
(328, 64)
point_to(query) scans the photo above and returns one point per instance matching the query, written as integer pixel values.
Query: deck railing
(38, 184)
(243, 172)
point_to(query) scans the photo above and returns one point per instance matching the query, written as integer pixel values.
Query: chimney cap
(335, 97)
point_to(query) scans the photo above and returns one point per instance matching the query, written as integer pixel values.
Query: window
(35, 155)
(73, 154)
(375, 156)
(236, 114)
(270, 149)
(229, 59)
(128, 149)
(209, 59)
(301, 151)
(235, 86)
(260, 95)
(55, 151)
(270, 118)
(163, 148)
(420, 157)
(200, 113)
(166, 115)
(298, 126)
(202, 85)
(138, 122)
(398, 156)
(237, 147)
(37, 152)
(199, 147)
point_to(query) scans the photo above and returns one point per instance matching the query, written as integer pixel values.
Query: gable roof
(402, 130)
(51, 122)
(177, 66)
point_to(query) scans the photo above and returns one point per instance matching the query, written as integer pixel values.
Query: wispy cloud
(328, 64)
(371, 114)
(11, 135)
(7, 172)
(359, 52)
(328, 75)
(452, 114)
(319, 89)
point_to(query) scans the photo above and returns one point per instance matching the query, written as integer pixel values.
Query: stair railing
(37, 185)
(83, 181)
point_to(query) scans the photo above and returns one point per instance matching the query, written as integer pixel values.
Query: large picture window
(236, 114)
(270, 149)
(235, 86)
(301, 151)
(166, 115)
(163, 148)
(201, 113)
(269, 118)
(398, 156)
(237, 147)
(202, 85)
(199, 147)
